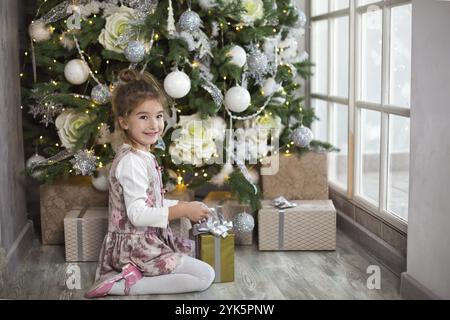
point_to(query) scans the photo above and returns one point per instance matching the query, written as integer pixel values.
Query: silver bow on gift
(216, 225)
(283, 203)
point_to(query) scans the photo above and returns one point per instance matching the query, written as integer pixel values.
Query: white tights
(191, 275)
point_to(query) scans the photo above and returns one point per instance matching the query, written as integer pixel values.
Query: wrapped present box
(84, 231)
(230, 207)
(299, 177)
(58, 198)
(311, 225)
(218, 252)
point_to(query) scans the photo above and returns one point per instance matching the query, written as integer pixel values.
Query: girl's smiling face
(144, 124)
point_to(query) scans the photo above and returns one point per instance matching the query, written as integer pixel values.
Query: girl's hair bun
(128, 75)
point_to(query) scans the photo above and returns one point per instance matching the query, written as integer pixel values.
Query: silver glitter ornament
(84, 162)
(302, 137)
(33, 162)
(100, 94)
(257, 62)
(243, 222)
(135, 51)
(189, 21)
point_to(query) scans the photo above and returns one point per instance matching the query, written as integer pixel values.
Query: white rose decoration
(69, 124)
(115, 26)
(254, 11)
(195, 141)
(271, 123)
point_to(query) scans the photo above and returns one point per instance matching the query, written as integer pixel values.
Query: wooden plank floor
(340, 274)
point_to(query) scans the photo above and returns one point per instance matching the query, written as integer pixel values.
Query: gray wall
(14, 225)
(428, 259)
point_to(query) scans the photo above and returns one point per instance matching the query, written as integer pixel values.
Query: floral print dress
(154, 251)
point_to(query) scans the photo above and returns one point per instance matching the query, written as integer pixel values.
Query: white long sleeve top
(135, 173)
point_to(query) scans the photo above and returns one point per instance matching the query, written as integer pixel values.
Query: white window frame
(355, 105)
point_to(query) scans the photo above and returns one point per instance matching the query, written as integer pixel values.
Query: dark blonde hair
(134, 88)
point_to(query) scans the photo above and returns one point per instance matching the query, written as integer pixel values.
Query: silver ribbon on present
(281, 203)
(216, 225)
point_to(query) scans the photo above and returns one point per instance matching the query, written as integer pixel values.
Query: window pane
(339, 4)
(363, 2)
(340, 57)
(319, 7)
(370, 127)
(370, 65)
(400, 67)
(320, 127)
(398, 179)
(320, 56)
(339, 138)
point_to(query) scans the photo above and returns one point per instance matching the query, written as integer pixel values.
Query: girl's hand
(195, 211)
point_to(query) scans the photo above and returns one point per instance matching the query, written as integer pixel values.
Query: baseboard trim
(411, 289)
(380, 249)
(20, 247)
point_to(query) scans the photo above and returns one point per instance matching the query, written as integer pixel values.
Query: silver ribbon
(280, 229)
(53, 159)
(213, 90)
(217, 260)
(215, 225)
(281, 203)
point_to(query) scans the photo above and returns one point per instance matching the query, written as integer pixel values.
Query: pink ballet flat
(130, 273)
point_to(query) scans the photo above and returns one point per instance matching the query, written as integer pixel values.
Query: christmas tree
(225, 64)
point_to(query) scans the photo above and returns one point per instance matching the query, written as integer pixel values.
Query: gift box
(218, 252)
(84, 231)
(58, 198)
(230, 207)
(311, 225)
(299, 177)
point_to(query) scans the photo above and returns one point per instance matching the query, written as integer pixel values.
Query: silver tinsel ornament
(100, 94)
(243, 222)
(135, 51)
(302, 136)
(189, 21)
(84, 162)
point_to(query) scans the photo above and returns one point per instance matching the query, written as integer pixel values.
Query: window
(360, 91)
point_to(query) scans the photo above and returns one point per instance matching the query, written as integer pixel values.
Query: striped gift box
(84, 231)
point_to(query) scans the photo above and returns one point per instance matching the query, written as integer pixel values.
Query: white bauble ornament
(34, 161)
(39, 31)
(101, 182)
(238, 56)
(76, 71)
(302, 20)
(207, 4)
(177, 84)
(270, 86)
(237, 99)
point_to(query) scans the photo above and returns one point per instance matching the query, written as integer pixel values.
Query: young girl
(140, 255)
